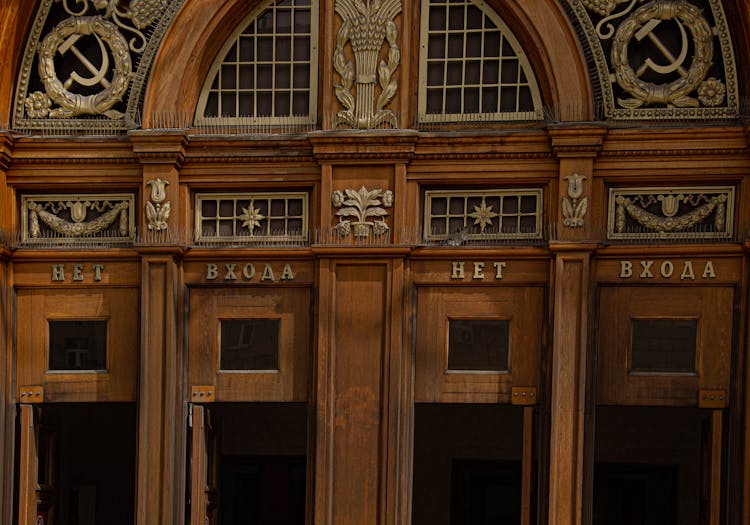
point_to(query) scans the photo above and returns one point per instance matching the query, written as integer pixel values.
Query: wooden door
(36, 469)
(203, 468)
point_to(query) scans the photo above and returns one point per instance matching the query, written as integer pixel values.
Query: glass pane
(663, 345)
(250, 344)
(77, 345)
(478, 345)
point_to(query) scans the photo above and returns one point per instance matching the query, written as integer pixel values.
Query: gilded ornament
(362, 205)
(675, 93)
(366, 24)
(483, 215)
(62, 38)
(711, 92)
(573, 207)
(157, 211)
(251, 217)
(673, 212)
(38, 105)
(49, 213)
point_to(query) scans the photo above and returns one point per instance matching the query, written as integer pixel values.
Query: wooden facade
(362, 412)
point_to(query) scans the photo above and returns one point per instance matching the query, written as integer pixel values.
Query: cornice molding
(6, 151)
(158, 146)
(575, 141)
(340, 147)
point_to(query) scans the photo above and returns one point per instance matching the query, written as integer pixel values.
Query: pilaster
(576, 148)
(160, 475)
(7, 409)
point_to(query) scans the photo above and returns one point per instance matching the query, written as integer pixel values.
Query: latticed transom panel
(267, 71)
(251, 217)
(472, 67)
(460, 216)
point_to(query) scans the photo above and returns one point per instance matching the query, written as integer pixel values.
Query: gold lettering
(478, 270)
(667, 269)
(78, 272)
(646, 269)
(458, 270)
(248, 271)
(212, 272)
(58, 272)
(687, 271)
(267, 274)
(98, 271)
(287, 274)
(499, 269)
(626, 269)
(708, 271)
(230, 276)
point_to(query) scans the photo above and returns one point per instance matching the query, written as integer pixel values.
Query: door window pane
(77, 345)
(250, 344)
(663, 345)
(478, 345)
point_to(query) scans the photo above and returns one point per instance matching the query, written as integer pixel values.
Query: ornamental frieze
(671, 213)
(68, 219)
(86, 63)
(659, 59)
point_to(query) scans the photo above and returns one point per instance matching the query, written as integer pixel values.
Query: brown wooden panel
(96, 272)
(248, 271)
(358, 346)
(640, 269)
(493, 269)
(522, 306)
(291, 306)
(710, 306)
(119, 307)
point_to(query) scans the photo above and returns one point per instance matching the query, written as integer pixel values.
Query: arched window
(471, 67)
(266, 72)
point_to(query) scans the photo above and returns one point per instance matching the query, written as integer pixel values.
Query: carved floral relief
(157, 210)
(66, 218)
(358, 207)
(671, 213)
(366, 25)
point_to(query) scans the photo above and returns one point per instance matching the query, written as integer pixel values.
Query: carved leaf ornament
(366, 24)
(659, 58)
(54, 215)
(360, 206)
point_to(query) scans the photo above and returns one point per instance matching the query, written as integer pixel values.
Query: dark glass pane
(436, 46)
(246, 105)
(439, 206)
(434, 101)
(492, 44)
(302, 76)
(302, 48)
(663, 345)
(478, 345)
(283, 76)
(212, 105)
(284, 48)
(437, 18)
(77, 345)
(509, 72)
(435, 74)
(283, 21)
(247, 49)
(471, 72)
(250, 344)
(453, 100)
(456, 18)
(265, 49)
(455, 46)
(474, 44)
(302, 21)
(228, 77)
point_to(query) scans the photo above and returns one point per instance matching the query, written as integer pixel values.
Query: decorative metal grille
(251, 217)
(661, 59)
(71, 219)
(671, 213)
(458, 216)
(471, 65)
(267, 71)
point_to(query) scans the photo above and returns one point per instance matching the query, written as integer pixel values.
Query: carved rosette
(68, 218)
(86, 62)
(358, 207)
(671, 213)
(366, 25)
(660, 59)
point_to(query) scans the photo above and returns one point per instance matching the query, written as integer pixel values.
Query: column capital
(576, 140)
(159, 146)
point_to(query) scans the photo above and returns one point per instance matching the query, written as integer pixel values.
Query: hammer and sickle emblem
(675, 63)
(98, 74)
